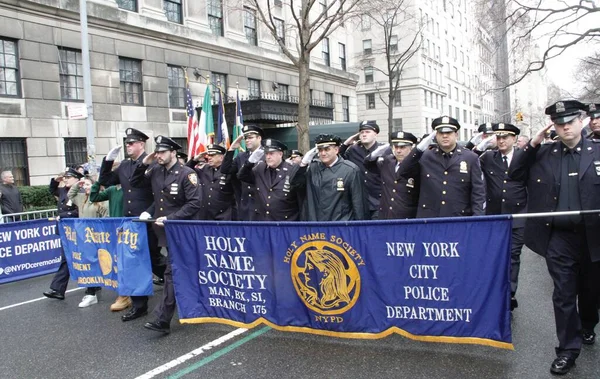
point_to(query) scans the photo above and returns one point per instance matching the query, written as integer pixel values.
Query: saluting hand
(200, 157)
(351, 139)
(113, 153)
(483, 145)
(539, 136)
(236, 143)
(149, 159)
(308, 157)
(425, 142)
(380, 150)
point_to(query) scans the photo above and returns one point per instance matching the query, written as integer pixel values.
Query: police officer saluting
(593, 110)
(276, 200)
(564, 176)
(450, 177)
(295, 157)
(485, 139)
(218, 199)
(399, 195)
(176, 197)
(505, 195)
(135, 201)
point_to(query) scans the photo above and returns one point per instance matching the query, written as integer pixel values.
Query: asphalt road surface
(46, 338)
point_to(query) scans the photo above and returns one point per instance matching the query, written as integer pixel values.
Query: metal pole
(556, 214)
(87, 88)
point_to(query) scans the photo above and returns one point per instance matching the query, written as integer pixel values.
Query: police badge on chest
(597, 167)
(340, 184)
(174, 189)
(463, 167)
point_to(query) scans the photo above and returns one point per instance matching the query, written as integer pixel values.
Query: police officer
(564, 176)
(333, 186)
(593, 111)
(451, 182)
(176, 197)
(295, 157)
(182, 157)
(276, 199)
(218, 198)
(399, 195)
(135, 201)
(66, 209)
(356, 152)
(483, 140)
(253, 136)
(505, 195)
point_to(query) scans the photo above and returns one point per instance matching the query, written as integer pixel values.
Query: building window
(449, 92)
(172, 10)
(464, 93)
(469, 99)
(397, 126)
(456, 94)
(250, 26)
(183, 142)
(365, 23)
(425, 93)
(280, 29)
(325, 51)
(13, 157)
(176, 87)
(450, 110)
(9, 69)
(367, 46)
(369, 74)
(254, 88)
(215, 16)
(75, 151)
(130, 73)
(129, 5)
(370, 101)
(342, 53)
(71, 74)
(328, 99)
(464, 115)
(283, 92)
(457, 113)
(217, 80)
(346, 108)
(398, 98)
(393, 44)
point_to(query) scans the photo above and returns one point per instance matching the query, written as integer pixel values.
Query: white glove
(256, 156)
(113, 153)
(309, 156)
(380, 150)
(145, 216)
(425, 142)
(476, 139)
(483, 145)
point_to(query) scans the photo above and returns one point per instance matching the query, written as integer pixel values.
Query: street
(49, 339)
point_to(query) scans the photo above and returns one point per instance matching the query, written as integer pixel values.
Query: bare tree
(588, 73)
(310, 22)
(402, 39)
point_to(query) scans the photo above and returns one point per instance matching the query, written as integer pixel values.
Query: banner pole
(556, 214)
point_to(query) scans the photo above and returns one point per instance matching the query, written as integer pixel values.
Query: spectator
(10, 197)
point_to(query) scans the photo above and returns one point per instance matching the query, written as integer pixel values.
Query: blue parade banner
(28, 249)
(439, 280)
(108, 252)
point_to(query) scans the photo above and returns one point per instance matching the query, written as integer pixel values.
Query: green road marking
(219, 353)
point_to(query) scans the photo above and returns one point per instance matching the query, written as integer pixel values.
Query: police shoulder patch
(193, 178)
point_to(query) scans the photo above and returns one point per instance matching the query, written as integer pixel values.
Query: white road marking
(192, 354)
(34, 300)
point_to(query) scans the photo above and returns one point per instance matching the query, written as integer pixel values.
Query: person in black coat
(505, 195)
(593, 111)
(451, 182)
(565, 176)
(399, 195)
(276, 199)
(176, 197)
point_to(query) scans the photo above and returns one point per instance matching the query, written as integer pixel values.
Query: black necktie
(273, 174)
(505, 161)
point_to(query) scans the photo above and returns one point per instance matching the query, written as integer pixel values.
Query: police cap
(70, 171)
(274, 145)
(252, 129)
(486, 128)
(296, 153)
(593, 110)
(369, 125)
(502, 129)
(563, 112)
(213, 149)
(402, 139)
(134, 135)
(165, 143)
(183, 156)
(324, 140)
(445, 124)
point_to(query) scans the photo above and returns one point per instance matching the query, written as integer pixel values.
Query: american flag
(192, 117)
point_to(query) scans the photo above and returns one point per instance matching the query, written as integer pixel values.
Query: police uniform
(244, 191)
(593, 111)
(176, 197)
(218, 199)
(334, 193)
(563, 179)
(372, 177)
(66, 209)
(451, 183)
(276, 199)
(399, 195)
(135, 201)
(506, 196)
